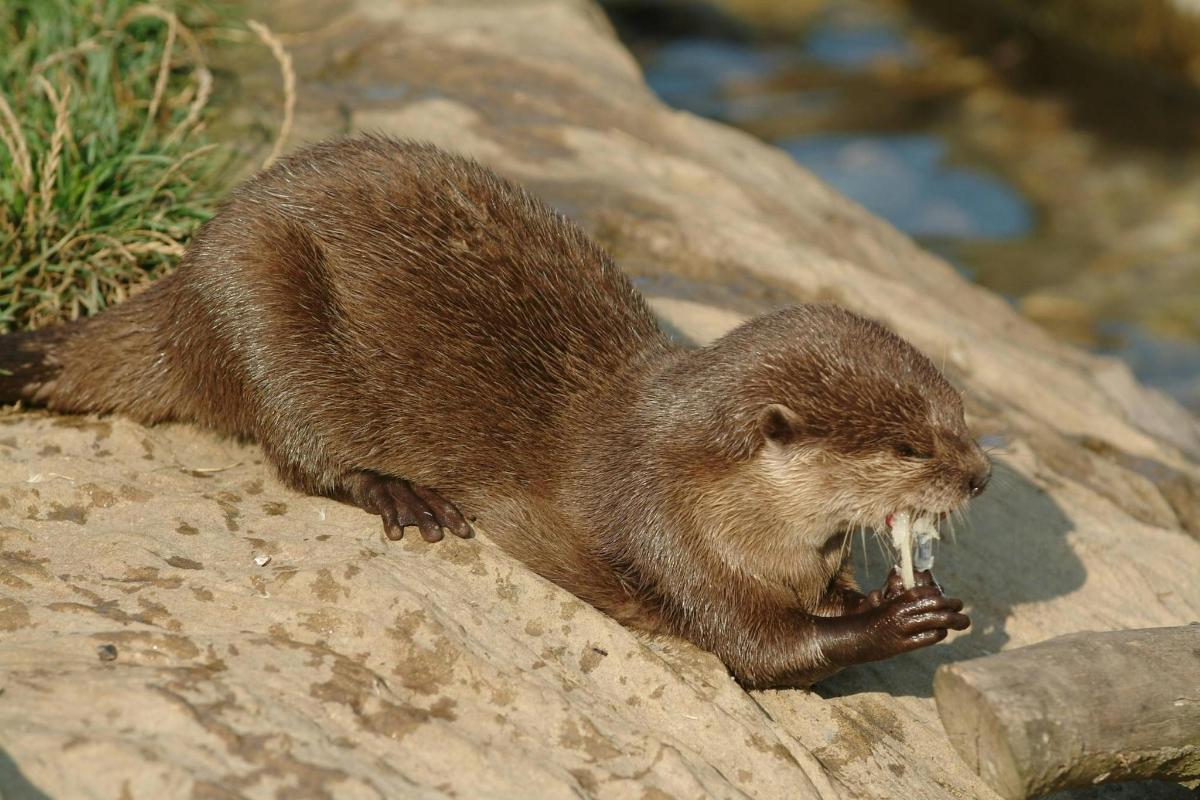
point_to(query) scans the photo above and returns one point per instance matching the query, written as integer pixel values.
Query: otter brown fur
(401, 329)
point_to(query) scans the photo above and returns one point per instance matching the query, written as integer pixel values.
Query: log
(1078, 710)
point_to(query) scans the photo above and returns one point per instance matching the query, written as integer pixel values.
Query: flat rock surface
(146, 653)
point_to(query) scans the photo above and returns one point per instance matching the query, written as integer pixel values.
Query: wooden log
(1077, 710)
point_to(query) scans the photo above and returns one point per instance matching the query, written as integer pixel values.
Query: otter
(403, 330)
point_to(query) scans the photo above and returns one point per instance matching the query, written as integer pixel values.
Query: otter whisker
(955, 513)
(862, 533)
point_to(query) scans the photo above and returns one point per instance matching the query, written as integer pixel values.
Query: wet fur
(370, 304)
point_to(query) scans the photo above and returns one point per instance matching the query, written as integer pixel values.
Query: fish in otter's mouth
(912, 537)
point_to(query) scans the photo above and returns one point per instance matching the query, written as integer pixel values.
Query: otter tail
(110, 363)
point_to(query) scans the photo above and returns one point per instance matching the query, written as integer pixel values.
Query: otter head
(837, 423)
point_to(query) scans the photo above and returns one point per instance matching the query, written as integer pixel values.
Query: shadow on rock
(13, 783)
(1013, 551)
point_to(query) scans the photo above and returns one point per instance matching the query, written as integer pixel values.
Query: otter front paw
(901, 622)
(910, 620)
(402, 503)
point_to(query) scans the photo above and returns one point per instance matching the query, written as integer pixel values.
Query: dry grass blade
(164, 67)
(61, 56)
(204, 83)
(62, 130)
(14, 140)
(201, 73)
(289, 85)
(179, 164)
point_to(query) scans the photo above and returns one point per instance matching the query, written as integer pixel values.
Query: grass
(105, 168)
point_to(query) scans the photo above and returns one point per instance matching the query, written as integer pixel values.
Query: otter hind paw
(402, 503)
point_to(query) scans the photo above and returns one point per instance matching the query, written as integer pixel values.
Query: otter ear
(778, 423)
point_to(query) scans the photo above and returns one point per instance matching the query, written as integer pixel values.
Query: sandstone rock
(350, 667)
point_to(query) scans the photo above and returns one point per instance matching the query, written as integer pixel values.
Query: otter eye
(906, 450)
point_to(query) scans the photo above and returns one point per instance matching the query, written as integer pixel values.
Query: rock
(350, 667)
(147, 653)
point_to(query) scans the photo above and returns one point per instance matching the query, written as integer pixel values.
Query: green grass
(105, 170)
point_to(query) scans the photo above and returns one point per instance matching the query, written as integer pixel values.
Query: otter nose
(978, 480)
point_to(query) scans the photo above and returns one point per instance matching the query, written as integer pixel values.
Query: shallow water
(1097, 240)
(907, 179)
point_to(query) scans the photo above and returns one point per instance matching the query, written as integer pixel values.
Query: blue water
(692, 73)
(906, 179)
(842, 37)
(695, 75)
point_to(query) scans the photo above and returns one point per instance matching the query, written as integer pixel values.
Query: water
(850, 36)
(1099, 242)
(908, 180)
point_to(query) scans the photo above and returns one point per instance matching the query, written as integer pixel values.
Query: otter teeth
(904, 529)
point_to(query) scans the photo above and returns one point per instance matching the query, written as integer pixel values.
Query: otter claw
(401, 504)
